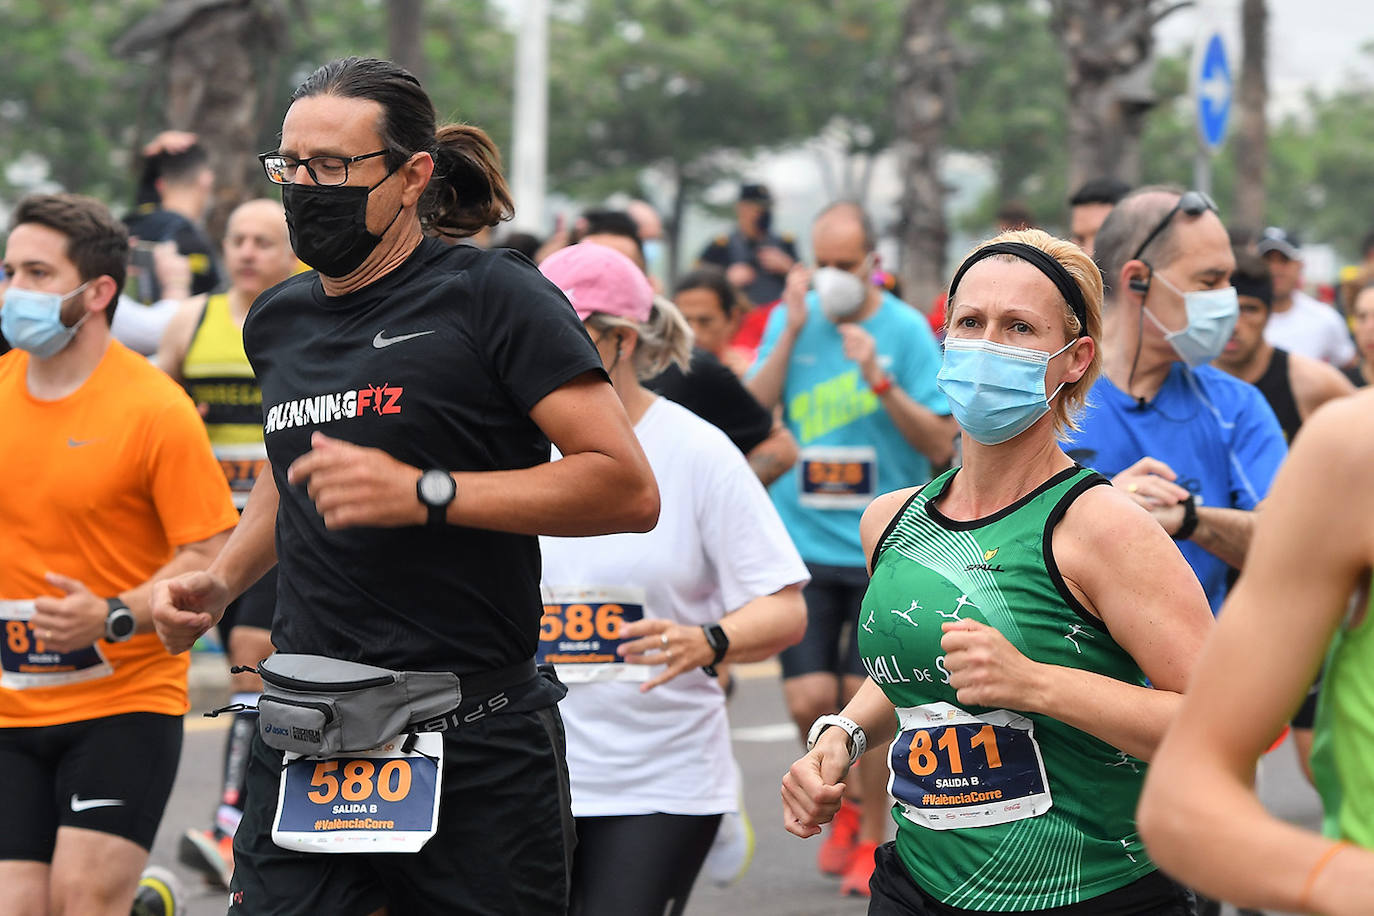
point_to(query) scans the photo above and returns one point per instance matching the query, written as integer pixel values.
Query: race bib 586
(581, 631)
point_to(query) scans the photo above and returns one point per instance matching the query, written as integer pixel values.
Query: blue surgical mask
(655, 255)
(32, 320)
(1212, 317)
(995, 391)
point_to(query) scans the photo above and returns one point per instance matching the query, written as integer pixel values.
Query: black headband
(1042, 262)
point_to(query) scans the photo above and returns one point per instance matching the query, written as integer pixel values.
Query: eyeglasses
(324, 170)
(1193, 203)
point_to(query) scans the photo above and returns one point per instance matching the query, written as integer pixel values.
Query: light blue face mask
(32, 320)
(995, 391)
(655, 256)
(1212, 317)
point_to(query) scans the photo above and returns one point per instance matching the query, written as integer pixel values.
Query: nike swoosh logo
(79, 804)
(77, 443)
(379, 341)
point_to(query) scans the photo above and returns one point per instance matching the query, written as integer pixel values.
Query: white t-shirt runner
(1312, 328)
(718, 545)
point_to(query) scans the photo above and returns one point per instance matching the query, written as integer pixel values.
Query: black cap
(1284, 242)
(755, 192)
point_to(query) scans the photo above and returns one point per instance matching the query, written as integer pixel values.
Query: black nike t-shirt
(438, 364)
(711, 391)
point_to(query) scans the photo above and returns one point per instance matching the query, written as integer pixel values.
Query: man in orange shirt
(109, 483)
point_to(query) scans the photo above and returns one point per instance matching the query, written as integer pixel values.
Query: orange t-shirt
(101, 486)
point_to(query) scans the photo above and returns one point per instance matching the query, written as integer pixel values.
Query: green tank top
(218, 376)
(1343, 744)
(997, 810)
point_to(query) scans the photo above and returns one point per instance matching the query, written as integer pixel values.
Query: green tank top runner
(996, 809)
(1343, 745)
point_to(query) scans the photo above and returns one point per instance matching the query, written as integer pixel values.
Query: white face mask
(1212, 317)
(841, 293)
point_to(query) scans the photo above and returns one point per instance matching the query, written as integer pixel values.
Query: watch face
(436, 487)
(121, 625)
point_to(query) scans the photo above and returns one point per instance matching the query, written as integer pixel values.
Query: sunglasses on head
(1193, 203)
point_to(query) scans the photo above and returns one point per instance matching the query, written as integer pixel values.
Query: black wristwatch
(436, 490)
(1189, 523)
(719, 643)
(119, 621)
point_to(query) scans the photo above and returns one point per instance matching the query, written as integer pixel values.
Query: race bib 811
(950, 769)
(580, 632)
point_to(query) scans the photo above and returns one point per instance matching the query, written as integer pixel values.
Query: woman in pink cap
(637, 623)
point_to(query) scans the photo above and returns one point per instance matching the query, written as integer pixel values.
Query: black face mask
(328, 225)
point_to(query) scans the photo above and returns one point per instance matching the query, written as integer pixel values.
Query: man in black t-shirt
(411, 390)
(174, 193)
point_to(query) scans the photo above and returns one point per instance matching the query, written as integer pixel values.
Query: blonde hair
(1068, 406)
(664, 338)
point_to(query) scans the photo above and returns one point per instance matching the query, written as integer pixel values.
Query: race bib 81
(25, 662)
(949, 769)
(580, 632)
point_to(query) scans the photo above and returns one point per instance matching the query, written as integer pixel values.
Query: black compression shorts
(831, 643)
(504, 842)
(643, 863)
(112, 775)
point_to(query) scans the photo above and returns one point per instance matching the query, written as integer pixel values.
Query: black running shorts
(831, 643)
(113, 775)
(504, 843)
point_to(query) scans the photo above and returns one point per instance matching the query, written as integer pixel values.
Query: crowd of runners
(484, 521)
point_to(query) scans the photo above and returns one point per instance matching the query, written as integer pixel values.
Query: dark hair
(97, 243)
(523, 242)
(467, 192)
(856, 212)
(711, 277)
(1367, 244)
(1100, 191)
(610, 222)
(1131, 220)
(1252, 277)
(176, 168)
(1015, 215)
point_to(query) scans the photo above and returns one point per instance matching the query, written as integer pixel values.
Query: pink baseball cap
(600, 280)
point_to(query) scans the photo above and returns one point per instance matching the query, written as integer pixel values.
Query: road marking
(763, 734)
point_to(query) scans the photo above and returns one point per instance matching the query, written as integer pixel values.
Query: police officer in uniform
(755, 259)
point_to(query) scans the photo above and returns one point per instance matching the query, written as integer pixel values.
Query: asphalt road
(782, 880)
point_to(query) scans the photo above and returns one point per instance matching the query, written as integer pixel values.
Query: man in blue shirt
(853, 369)
(1195, 446)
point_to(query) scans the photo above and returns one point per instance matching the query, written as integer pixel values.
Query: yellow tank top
(220, 380)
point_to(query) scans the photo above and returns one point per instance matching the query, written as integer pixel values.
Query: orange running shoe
(838, 847)
(210, 853)
(860, 870)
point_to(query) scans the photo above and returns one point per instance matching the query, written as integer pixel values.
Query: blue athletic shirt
(1226, 454)
(850, 449)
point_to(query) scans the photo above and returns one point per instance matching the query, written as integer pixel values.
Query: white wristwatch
(858, 741)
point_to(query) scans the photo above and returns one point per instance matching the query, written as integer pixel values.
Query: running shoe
(860, 870)
(732, 850)
(209, 852)
(838, 847)
(158, 894)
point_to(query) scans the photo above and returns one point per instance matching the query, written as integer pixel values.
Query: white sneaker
(733, 848)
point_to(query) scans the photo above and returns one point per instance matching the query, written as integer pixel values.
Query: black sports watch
(119, 621)
(436, 490)
(719, 643)
(1189, 523)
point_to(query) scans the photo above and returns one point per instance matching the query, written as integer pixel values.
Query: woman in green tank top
(1313, 549)
(1017, 609)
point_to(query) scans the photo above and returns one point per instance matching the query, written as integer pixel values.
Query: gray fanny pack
(318, 706)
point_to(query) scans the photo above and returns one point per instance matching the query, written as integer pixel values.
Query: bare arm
(926, 431)
(176, 338)
(1224, 533)
(602, 485)
(1125, 571)
(77, 619)
(1199, 814)
(767, 382)
(774, 456)
(1315, 382)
